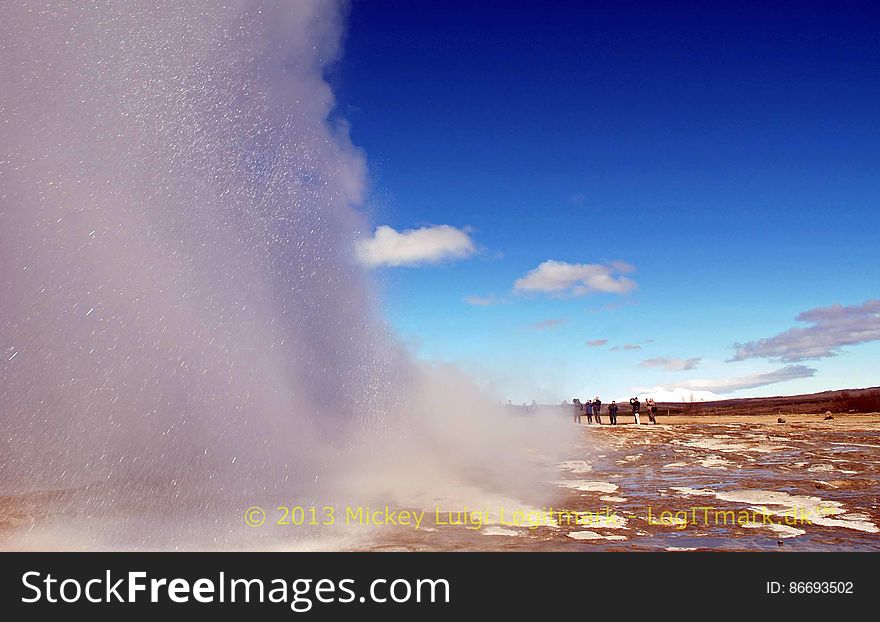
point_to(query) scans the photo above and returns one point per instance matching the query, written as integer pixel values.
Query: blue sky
(729, 155)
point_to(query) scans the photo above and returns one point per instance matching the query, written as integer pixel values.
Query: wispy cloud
(562, 279)
(831, 328)
(671, 364)
(626, 346)
(413, 247)
(597, 343)
(548, 324)
(620, 303)
(484, 301)
(752, 381)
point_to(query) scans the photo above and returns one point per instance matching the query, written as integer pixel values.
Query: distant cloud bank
(832, 328)
(679, 394)
(671, 364)
(413, 247)
(752, 381)
(562, 279)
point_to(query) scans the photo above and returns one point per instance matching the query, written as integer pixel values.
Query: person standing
(588, 409)
(652, 410)
(576, 408)
(597, 409)
(612, 412)
(636, 406)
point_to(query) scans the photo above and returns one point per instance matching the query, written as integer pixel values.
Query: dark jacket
(612, 409)
(636, 404)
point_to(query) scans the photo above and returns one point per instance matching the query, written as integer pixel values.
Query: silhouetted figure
(577, 407)
(612, 412)
(636, 407)
(588, 410)
(597, 409)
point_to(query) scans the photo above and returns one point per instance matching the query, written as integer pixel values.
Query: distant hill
(844, 400)
(839, 401)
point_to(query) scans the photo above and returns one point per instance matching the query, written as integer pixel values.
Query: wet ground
(735, 483)
(743, 483)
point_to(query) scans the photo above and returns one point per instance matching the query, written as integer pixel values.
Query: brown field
(792, 419)
(835, 402)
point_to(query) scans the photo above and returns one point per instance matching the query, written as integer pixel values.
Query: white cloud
(832, 328)
(671, 364)
(752, 381)
(413, 247)
(559, 278)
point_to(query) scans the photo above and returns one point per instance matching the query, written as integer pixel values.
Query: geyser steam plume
(180, 311)
(175, 230)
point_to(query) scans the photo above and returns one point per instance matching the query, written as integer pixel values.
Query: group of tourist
(592, 409)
